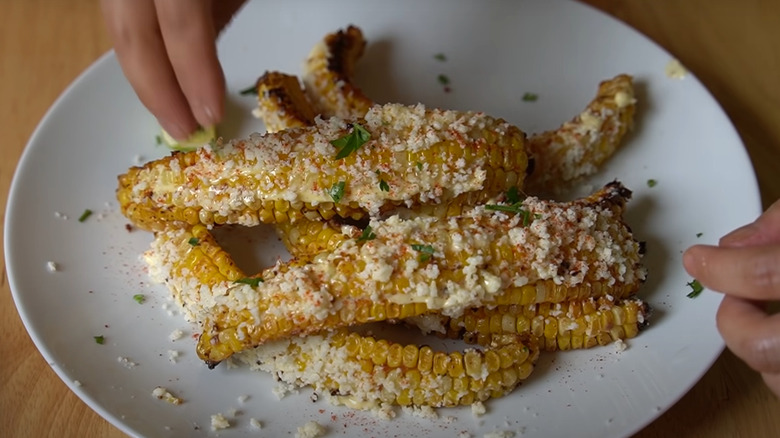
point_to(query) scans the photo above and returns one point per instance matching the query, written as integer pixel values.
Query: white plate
(496, 51)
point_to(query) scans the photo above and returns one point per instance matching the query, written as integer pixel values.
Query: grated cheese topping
(299, 165)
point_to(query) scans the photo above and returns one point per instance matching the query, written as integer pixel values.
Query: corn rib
(414, 155)
(328, 74)
(281, 103)
(573, 324)
(578, 147)
(367, 373)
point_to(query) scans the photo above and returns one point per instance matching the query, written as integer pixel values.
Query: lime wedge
(197, 139)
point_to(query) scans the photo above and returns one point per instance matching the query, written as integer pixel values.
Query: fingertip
(694, 259)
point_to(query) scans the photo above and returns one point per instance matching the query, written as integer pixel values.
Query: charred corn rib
(328, 74)
(365, 372)
(580, 146)
(547, 251)
(581, 323)
(413, 156)
(281, 103)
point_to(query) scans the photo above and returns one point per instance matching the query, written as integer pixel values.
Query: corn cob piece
(574, 324)
(578, 147)
(421, 156)
(307, 238)
(410, 267)
(328, 74)
(367, 373)
(281, 103)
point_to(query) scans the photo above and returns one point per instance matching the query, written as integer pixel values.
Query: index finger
(141, 53)
(190, 38)
(745, 272)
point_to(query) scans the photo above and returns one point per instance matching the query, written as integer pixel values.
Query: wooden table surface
(733, 47)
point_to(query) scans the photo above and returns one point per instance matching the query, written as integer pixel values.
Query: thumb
(763, 231)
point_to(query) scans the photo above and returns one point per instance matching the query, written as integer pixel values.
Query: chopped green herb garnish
(530, 97)
(512, 195)
(383, 186)
(419, 165)
(440, 57)
(194, 241)
(252, 281)
(514, 208)
(696, 289)
(336, 191)
(699, 234)
(352, 141)
(100, 339)
(87, 213)
(426, 251)
(158, 139)
(248, 90)
(652, 183)
(139, 298)
(367, 234)
(444, 79)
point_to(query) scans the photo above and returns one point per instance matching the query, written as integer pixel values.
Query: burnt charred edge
(617, 192)
(642, 247)
(340, 46)
(284, 100)
(212, 363)
(647, 311)
(361, 223)
(529, 170)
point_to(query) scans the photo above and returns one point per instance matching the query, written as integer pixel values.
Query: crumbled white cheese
(60, 215)
(675, 70)
(126, 362)
(311, 429)
(620, 346)
(175, 335)
(426, 412)
(478, 409)
(243, 398)
(77, 383)
(255, 423)
(219, 422)
(173, 356)
(161, 393)
(52, 266)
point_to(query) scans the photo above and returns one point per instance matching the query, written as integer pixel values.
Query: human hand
(168, 52)
(745, 266)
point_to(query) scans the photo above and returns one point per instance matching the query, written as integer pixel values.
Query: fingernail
(176, 131)
(208, 116)
(738, 236)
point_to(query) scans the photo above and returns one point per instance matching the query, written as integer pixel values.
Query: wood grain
(732, 47)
